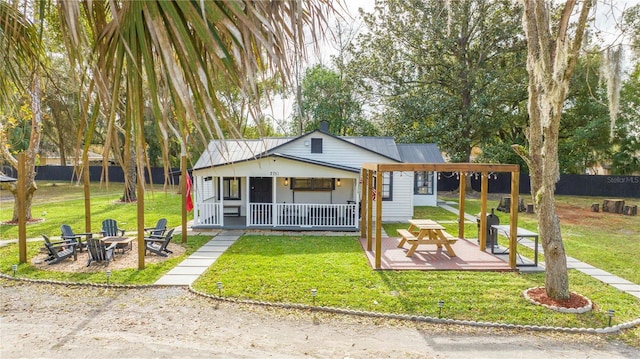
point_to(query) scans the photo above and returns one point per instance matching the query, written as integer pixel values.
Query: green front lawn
(63, 203)
(285, 269)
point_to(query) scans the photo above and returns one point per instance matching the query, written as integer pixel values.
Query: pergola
(371, 171)
(22, 226)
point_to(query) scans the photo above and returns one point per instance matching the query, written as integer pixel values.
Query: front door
(260, 190)
(260, 193)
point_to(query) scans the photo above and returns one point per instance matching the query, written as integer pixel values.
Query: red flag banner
(189, 204)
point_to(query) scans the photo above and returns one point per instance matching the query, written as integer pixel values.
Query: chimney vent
(324, 126)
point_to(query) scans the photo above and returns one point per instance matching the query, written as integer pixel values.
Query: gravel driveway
(55, 321)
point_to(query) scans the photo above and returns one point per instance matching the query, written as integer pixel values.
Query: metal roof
(220, 152)
(385, 146)
(420, 153)
(229, 151)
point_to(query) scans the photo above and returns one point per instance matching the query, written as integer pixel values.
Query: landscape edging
(407, 317)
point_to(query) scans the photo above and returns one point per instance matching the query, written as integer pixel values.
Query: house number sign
(273, 173)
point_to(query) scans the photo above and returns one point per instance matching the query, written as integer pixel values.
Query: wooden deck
(468, 257)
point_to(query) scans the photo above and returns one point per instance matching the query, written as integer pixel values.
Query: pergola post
(484, 188)
(363, 206)
(86, 182)
(463, 189)
(378, 218)
(369, 208)
(22, 210)
(140, 229)
(513, 217)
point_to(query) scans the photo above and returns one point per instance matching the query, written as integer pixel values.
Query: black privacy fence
(569, 184)
(66, 173)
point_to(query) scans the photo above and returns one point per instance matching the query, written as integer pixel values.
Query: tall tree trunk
(551, 59)
(130, 169)
(56, 114)
(31, 153)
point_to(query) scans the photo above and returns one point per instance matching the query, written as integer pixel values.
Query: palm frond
(147, 51)
(20, 51)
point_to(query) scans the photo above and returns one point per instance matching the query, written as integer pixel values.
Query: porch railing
(284, 215)
(208, 214)
(303, 215)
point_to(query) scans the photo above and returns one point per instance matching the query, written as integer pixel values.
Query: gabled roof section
(420, 153)
(384, 146)
(221, 152)
(229, 151)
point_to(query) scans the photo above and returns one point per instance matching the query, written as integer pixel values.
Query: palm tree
(170, 53)
(180, 51)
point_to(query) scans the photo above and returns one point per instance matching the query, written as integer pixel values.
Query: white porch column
(221, 205)
(247, 200)
(356, 191)
(274, 214)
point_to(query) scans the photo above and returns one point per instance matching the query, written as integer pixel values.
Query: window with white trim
(231, 188)
(423, 183)
(312, 184)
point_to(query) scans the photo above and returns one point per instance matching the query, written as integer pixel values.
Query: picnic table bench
(426, 232)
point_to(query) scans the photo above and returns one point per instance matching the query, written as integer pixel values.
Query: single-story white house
(306, 182)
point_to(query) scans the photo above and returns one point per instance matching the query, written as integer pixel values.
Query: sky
(280, 109)
(608, 13)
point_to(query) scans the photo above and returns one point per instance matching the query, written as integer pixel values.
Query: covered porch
(294, 203)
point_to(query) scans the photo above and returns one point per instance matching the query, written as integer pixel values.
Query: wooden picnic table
(426, 231)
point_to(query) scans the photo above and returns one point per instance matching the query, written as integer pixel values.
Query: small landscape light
(219, 284)
(440, 306)
(314, 292)
(14, 268)
(610, 313)
(108, 274)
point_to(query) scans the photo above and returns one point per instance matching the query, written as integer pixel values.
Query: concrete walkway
(191, 268)
(572, 263)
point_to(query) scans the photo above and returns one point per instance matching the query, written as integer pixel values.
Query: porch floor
(428, 257)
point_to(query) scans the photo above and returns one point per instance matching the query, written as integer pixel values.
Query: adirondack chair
(110, 228)
(68, 236)
(59, 251)
(99, 252)
(159, 245)
(159, 229)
